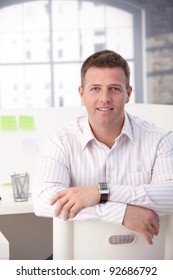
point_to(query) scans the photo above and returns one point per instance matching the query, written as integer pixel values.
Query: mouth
(104, 109)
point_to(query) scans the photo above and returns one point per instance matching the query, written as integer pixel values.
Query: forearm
(42, 206)
(158, 197)
(110, 212)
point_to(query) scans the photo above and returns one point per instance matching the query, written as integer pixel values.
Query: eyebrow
(110, 85)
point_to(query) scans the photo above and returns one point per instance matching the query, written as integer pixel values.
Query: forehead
(105, 75)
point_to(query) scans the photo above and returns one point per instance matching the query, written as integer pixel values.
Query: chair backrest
(4, 247)
(96, 240)
(81, 240)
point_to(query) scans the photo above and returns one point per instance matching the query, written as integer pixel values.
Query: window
(44, 43)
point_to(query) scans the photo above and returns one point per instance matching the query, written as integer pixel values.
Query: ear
(80, 90)
(129, 91)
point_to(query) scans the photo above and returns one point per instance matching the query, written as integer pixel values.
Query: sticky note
(8, 123)
(26, 122)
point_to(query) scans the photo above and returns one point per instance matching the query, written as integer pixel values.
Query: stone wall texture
(159, 49)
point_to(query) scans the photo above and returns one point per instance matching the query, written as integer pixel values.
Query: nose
(105, 96)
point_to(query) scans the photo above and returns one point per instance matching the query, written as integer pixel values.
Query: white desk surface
(9, 206)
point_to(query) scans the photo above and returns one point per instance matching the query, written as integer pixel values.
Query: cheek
(88, 100)
(123, 99)
(88, 103)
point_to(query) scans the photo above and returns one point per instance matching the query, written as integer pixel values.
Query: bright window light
(43, 44)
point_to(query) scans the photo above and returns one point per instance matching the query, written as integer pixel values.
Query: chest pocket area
(138, 178)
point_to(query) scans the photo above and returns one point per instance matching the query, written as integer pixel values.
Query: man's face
(104, 94)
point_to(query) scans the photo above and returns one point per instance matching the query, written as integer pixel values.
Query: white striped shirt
(138, 168)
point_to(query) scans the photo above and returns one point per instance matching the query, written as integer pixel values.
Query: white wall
(19, 149)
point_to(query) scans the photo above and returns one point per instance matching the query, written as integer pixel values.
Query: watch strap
(103, 197)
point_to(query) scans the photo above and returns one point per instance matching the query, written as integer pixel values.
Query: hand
(70, 201)
(142, 220)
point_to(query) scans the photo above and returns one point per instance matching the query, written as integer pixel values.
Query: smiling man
(107, 165)
(104, 93)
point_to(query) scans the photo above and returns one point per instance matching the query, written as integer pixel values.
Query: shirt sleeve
(158, 195)
(109, 212)
(52, 175)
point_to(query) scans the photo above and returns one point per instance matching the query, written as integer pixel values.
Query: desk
(29, 237)
(9, 206)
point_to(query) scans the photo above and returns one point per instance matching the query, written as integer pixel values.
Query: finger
(156, 217)
(66, 209)
(74, 210)
(60, 204)
(57, 196)
(149, 237)
(152, 230)
(155, 225)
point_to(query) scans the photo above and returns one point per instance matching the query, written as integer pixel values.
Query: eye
(95, 89)
(114, 89)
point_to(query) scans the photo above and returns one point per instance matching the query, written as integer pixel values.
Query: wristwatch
(104, 191)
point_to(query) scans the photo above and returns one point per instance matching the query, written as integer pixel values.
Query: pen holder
(20, 184)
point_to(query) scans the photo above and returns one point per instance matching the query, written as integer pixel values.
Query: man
(107, 166)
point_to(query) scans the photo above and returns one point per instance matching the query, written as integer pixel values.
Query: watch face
(104, 191)
(103, 186)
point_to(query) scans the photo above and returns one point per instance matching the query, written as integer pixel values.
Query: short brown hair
(105, 58)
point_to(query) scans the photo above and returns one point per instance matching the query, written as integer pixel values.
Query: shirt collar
(127, 128)
(88, 135)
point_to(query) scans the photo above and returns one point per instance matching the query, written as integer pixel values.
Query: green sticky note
(8, 123)
(26, 122)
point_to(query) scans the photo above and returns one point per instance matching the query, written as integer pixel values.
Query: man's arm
(158, 194)
(72, 202)
(50, 199)
(142, 220)
(47, 203)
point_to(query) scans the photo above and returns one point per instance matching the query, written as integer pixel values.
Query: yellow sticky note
(26, 122)
(8, 123)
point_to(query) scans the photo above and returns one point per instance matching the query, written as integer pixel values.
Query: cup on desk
(20, 184)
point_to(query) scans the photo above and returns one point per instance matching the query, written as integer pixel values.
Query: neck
(107, 135)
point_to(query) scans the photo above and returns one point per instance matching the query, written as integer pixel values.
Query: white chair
(4, 247)
(169, 239)
(95, 240)
(81, 240)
